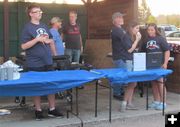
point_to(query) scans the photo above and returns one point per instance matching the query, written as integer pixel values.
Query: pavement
(24, 116)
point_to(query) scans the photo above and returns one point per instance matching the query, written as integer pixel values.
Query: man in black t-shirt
(72, 38)
(118, 52)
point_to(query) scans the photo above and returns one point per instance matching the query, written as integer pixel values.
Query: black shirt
(121, 43)
(72, 36)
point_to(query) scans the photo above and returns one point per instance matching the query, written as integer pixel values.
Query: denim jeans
(74, 54)
(117, 89)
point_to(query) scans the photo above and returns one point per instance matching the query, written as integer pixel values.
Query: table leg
(147, 96)
(77, 102)
(96, 98)
(70, 94)
(110, 102)
(163, 96)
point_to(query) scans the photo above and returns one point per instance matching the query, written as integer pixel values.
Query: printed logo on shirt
(73, 30)
(41, 32)
(152, 45)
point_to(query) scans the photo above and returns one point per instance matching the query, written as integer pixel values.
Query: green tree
(169, 19)
(151, 19)
(144, 13)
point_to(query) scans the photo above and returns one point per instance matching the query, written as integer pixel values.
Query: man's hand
(164, 66)
(48, 41)
(81, 49)
(41, 39)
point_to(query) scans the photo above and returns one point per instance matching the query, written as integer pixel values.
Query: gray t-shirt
(72, 36)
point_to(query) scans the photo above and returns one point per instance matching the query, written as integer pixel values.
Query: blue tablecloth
(122, 76)
(44, 83)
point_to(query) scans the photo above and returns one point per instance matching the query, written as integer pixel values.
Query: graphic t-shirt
(156, 44)
(72, 36)
(38, 55)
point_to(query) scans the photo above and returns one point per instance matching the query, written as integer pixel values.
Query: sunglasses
(37, 12)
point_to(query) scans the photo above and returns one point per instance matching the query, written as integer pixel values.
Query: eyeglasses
(40, 12)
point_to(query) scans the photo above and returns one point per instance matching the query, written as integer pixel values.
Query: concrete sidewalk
(24, 117)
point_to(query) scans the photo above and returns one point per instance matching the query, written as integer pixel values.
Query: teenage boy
(39, 47)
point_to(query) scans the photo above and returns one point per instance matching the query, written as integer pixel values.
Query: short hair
(73, 12)
(117, 14)
(30, 7)
(55, 20)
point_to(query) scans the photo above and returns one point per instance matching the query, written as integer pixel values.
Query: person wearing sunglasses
(37, 42)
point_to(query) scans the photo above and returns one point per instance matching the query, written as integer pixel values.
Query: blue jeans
(117, 89)
(74, 54)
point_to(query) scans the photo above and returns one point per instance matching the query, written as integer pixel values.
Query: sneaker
(81, 87)
(153, 105)
(39, 115)
(55, 113)
(123, 106)
(131, 107)
(118, 97)
(160, 106)
(23, 102)
(17, 100)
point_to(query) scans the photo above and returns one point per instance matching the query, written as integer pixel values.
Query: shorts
(41, 69)
(124, 64)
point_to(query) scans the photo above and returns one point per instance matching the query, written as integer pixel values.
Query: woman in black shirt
(157, 43)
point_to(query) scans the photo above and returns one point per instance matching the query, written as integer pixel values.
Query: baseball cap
(117, 14)
(55, 20)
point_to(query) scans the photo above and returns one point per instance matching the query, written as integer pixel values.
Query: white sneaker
(123, 106)
(154, 104)
(160, 106)
(131, 107)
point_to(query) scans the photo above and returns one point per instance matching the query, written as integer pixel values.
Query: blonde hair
(55, 20)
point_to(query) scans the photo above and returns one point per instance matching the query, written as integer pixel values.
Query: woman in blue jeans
(123, 46)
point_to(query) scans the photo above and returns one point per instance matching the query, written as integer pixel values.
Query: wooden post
(6, 31)
(135, 5)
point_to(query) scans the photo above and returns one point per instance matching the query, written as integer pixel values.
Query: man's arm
(81, 44)
(53, 48)
(31, 43)
(62, 36)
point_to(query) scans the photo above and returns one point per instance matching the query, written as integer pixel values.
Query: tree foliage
(144, 14)
(169, 19)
